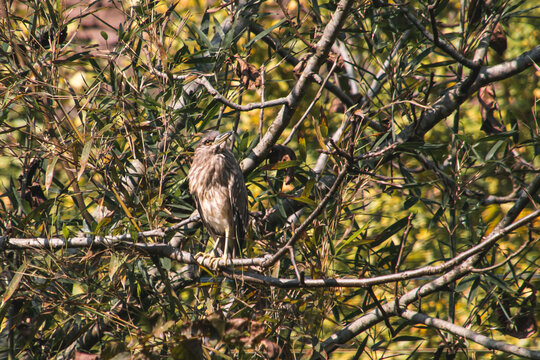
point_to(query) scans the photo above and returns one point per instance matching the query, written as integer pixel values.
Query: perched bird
(217, 184)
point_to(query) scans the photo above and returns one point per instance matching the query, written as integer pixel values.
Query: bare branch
(507, 258)
(251, 106)
(295, 96)
(291, 59)
(173, 253)
(450, 101)
(203, 81)
(469, 334)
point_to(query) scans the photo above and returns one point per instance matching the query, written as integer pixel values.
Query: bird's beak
(222, 138)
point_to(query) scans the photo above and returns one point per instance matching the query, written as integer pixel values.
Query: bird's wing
(239, 205)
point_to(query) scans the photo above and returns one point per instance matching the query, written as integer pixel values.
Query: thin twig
(202, 80)
(251, 106)
(403, 241)
(529, 241)
(299, 275)
(381, 309)
(263, 99)
(303, 227)
(443, 45)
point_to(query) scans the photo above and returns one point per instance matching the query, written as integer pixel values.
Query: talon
(213, 261)
(199, 257)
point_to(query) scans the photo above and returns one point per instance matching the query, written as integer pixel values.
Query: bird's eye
(207, 142)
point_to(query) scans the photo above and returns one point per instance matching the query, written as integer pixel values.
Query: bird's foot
(208, 260)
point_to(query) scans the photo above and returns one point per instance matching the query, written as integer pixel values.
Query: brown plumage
(217, 185)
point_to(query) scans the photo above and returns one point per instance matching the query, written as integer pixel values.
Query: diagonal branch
(283, 118)
(453, 98)
(291, 59)
(469, 334)
(302, 228)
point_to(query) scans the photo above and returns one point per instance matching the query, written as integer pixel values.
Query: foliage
(412, 157)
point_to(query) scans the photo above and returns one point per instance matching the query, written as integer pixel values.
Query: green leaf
(65, 231)
(265, 32)
(351, 238)
(407, 338)
(499, 136)
(202, 39)
(360, 349)
(391, 230)
(305, 200)
(281, 165)
(10, 290)
(302, 148)
(316, 10)
(84, 158)
(435, 219)
(438, 64)
(420, 57)
(14, 283)
(49, 173)
(308, 187)
(494, 149)
(410, 202)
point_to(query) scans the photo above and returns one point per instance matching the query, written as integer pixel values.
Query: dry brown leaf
(257, 332)
(280, 153)
(272, 350)
(301, 64)
(250, 77)
(84, 356)
(34, 195)
(497, 40)
(339, 62)
(488, 103)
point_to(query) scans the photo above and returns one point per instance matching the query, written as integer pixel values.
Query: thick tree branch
(291, 59)
(454, 97)
(173, 253)
(283, 118)
(468, 334)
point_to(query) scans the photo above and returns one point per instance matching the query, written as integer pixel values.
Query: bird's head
(214, 140)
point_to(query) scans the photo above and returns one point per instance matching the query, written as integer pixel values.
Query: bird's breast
(215, 206)
(208, 182)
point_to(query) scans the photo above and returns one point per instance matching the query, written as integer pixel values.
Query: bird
(217, 185)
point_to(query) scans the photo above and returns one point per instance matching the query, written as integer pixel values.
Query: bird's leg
(215, 248)
(226, 247)
(213, 258)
